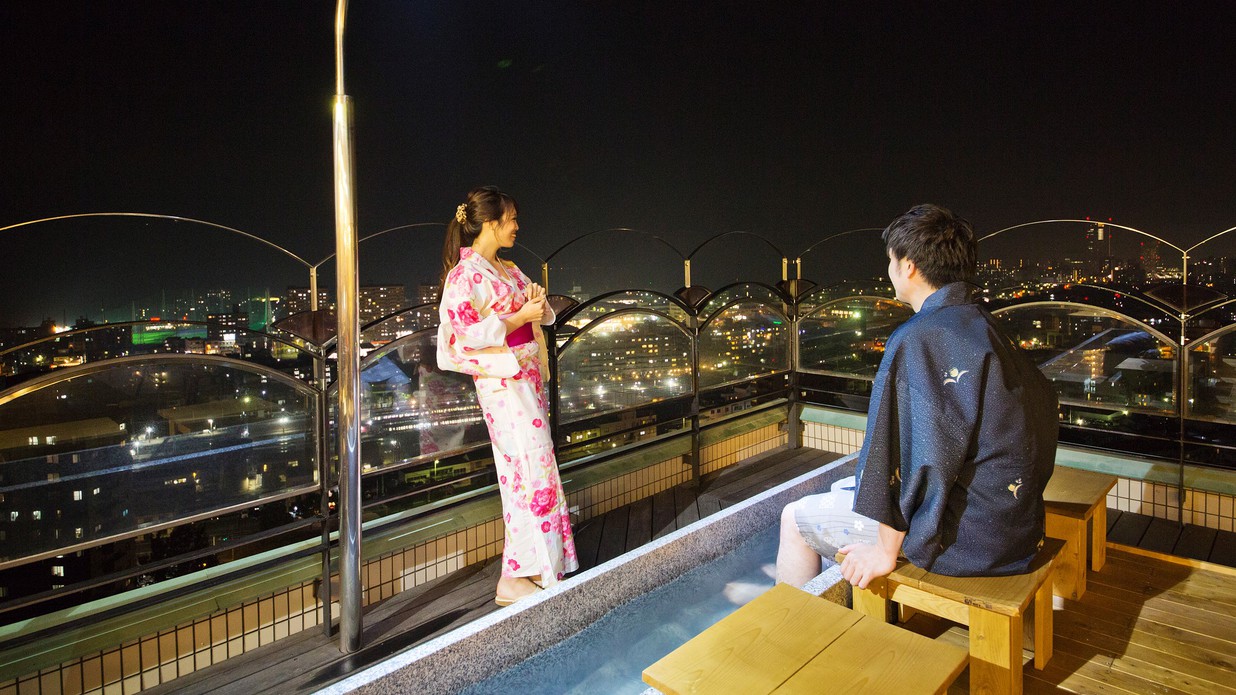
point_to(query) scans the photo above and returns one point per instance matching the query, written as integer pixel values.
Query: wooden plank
(1071, 564)
(613, 535)
(872, 657)
(1005, 595)
(1112, 516)
(663, 513)
(1076, 493)
(769, 473)
(1073, 660)
(1209, 675)
(684, 503)
(769, 476)
(1160, 536)
(1129, 529)
(754, 649)
(588, 541)
(1139, 612)
(639, 523)
(1195, 542)
(1224, 550)
(995, 656)
(1174, 574)
(708, 505)
(1164, 636)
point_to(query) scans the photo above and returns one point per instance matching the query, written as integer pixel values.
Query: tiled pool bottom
(609, 656)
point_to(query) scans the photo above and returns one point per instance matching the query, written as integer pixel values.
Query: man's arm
(864, 562)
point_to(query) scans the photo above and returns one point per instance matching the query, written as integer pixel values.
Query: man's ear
(911, 269)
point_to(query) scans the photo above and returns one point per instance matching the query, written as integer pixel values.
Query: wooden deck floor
(1144, 626)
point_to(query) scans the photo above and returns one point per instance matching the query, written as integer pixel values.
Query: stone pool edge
(500, 640)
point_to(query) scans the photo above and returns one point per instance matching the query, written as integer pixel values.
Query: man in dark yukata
(961, 434)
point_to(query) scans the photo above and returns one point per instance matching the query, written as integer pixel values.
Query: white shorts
(828, 521)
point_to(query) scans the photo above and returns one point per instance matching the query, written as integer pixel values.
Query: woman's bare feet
(511, 589)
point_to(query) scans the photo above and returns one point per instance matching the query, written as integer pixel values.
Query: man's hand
(864, 562)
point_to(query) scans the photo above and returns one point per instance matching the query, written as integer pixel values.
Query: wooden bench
(788, 641)
(1076, 500)
(992, 607)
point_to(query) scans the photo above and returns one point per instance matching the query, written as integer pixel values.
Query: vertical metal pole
(686, 273)
(322, 427)
(348, 346)
(695, 390)
(794, 423)
(545, 277)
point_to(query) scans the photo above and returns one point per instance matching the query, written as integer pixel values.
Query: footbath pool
(610, 655)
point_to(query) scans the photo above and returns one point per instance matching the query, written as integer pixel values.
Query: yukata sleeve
(465, 302)
(879, 461)
(938, 433)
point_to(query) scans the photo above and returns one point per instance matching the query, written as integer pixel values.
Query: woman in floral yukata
(491, 317)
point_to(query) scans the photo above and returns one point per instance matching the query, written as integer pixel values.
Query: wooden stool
(788, 641)
(992, 607)
(1075, 499)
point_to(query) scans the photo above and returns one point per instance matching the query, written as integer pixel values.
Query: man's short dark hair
(939, 243)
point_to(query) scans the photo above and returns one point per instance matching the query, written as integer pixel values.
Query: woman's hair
(482, 205)
(941, 244)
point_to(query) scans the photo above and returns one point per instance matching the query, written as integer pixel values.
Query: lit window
(77, 532)
(36, 515)
(13, 516)
(77, 495)
(33, 441)
(51, 439)
(57, 570)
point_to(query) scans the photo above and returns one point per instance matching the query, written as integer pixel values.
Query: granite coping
(504, 638)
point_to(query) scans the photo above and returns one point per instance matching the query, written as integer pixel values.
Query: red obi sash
(520, 335)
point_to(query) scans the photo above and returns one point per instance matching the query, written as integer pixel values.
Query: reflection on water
(609, 656)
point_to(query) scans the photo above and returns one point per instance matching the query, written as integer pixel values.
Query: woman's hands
(533, 310)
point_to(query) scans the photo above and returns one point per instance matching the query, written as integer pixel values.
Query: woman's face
(506, 228)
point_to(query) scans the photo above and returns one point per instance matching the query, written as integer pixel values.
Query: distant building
(298, 300)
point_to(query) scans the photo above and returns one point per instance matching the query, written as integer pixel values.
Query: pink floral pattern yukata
(510, 387)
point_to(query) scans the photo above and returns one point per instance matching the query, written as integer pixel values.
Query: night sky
(681, 119)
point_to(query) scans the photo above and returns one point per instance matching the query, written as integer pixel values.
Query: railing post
(348, 349)
(793, 428)
(695, 392)
(551, 354)
(322, 427)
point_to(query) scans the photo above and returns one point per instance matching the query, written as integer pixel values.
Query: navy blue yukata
(961, 440)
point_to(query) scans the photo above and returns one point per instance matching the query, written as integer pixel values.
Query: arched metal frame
(52, 379)
(825, 305)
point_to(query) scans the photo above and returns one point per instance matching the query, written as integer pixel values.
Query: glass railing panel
(818, 297)
(105, 452)
(1212, 377)
(746, 290)
(847, 336)
(736, 396)
(394, 327)
(622, 361)
(88, 345)
(743, 341)
(598, 434)
(410, 409)
(630, 299)
(1095, 358)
